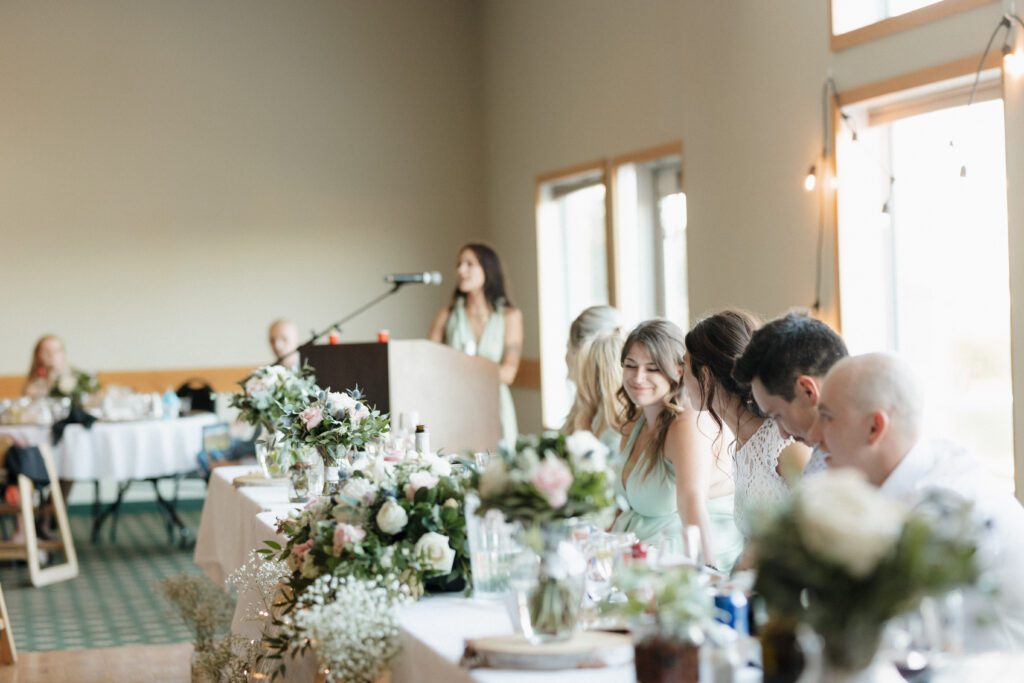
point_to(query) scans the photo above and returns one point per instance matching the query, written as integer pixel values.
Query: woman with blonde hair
(669, 477)
(49, 364)
(592, 358)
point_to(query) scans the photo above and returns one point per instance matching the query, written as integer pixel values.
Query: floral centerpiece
(545, 483)
(272, 392)
(75, 384)
(336, 424)
(670, 610)
(405, 520)
(844, 559)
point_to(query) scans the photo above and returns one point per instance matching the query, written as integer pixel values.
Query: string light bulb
(812, 178)
(1013, 61)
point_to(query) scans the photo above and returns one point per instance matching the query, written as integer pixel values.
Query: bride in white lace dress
(712, 347)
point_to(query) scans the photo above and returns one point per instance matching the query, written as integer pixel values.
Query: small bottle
(334, 337)
(171, 405)
(384, 336)
(422, 440)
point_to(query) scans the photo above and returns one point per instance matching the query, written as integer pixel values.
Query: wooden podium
(454, 394)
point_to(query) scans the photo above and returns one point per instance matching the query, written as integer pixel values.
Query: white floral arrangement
(352, 625)
(272, 392)
(548, 477)
(333, 420)
(405, 519)
(840, 547)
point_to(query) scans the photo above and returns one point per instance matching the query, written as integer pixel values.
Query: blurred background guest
(870, 418)
(482, 321)
(592, 357)
(784, 365)
(284, 342)
(712, 347)
(668, 477)
(49, 364)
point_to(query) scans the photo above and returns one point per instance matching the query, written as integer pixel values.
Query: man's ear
(879, 426)
(809, 388)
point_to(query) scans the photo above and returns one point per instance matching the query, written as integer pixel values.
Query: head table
(434, 630)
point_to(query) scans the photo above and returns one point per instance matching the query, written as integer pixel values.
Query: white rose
(392, 518)
(844, 519)
(419, 480)
(66, 384)
(277, 374)
(435, 552)
(587, 452)
(339, 401)
(438, 465)
(360, 490)
(494, 479)
(387, 558)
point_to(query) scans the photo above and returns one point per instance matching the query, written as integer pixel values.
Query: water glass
(492, 549)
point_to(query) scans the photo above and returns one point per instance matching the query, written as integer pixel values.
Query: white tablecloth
(121, 450)
(433, 630)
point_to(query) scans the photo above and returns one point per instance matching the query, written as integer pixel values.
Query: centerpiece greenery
(844, 559)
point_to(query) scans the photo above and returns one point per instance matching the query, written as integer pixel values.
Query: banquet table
(140, 450)
(435, 629)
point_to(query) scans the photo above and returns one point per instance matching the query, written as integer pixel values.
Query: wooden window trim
(899, 23)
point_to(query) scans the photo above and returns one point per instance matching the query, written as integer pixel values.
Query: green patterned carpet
(112, 601)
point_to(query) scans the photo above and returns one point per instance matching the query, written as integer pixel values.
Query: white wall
(739, 82)
(176, 174)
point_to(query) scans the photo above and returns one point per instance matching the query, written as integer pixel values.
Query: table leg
(112, 509)
(173, 520)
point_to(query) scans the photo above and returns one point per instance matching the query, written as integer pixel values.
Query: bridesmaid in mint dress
(669, 471)
(481, 321)
(592, 357)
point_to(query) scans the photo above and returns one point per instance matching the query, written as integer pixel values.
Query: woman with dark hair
(712, 347)
(482, 321)
(668, 477)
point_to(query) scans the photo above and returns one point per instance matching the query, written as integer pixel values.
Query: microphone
(431, 278)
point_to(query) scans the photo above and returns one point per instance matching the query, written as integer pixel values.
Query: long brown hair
(714, 344)
(494, 277)
(664, 342)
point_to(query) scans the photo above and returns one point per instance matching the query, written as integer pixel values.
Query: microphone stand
(316, 335)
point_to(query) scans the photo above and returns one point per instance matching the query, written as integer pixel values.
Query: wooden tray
(586, 650)
(257, 479)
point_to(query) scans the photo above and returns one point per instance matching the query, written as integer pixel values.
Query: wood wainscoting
(221, 379)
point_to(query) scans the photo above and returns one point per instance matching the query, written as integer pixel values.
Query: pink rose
(345, 534)
(553, 479)
(311, 417)
(419, 480)
(300, 550)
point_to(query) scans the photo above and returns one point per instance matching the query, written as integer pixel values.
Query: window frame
(899, 23)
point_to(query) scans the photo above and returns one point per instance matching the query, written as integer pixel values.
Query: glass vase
(336, 467)
(548, 583)
(268, 454)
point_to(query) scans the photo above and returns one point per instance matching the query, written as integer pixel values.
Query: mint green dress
(652, 506)
(458, 334)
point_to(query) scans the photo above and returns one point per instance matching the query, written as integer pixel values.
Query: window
(859, 21)
(572, 250)
(924, 265)
(650, 238)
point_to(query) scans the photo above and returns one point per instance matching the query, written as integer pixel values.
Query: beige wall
(739, 82)
(176, 174)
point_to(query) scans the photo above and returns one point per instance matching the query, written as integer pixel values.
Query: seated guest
(49, 364)
(784, 364)
(669, 476)
(869, 418)
(284, 342)
(592, 357)
(481, 321)
(760, 452)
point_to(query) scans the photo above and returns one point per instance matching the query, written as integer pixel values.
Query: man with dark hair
(784, 364)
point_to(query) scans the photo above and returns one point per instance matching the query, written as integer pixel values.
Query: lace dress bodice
(758, 483)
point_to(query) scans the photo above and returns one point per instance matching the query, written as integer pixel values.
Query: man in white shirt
(784, 364)
(869, 417)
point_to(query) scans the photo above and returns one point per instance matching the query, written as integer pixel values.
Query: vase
(548, 584)
(268, 454)
(299, 484)
(660, 659)
(336, 467)
(845, 654)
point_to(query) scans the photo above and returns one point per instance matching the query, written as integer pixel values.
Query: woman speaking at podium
(481, 321)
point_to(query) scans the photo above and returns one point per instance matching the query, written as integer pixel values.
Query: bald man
(284, 341)
(869, 418)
